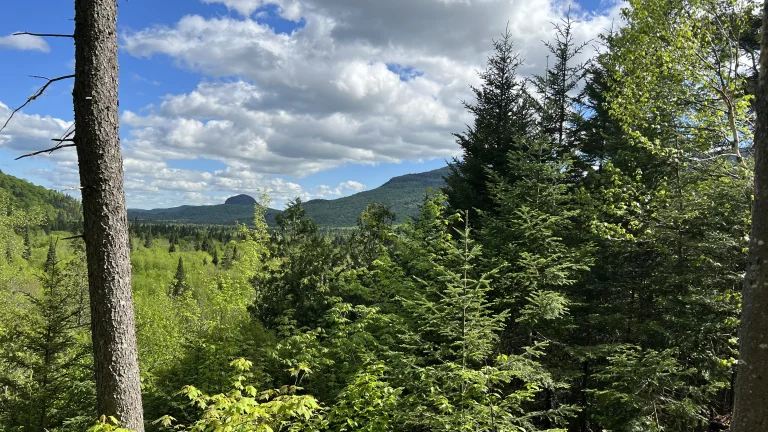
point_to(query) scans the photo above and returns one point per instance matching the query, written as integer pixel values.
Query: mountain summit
(241, 200)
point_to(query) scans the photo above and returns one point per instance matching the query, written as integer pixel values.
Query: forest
(582, 270)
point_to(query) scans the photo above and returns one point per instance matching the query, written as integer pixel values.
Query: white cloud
(30, 132)
(351, 186)
(24, 43)
(335, 91)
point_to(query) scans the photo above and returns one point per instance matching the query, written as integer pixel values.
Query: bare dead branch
(68, 134)
(44, 34)
(63, 139)
(37, 94)
(81, 236)
(50, 150)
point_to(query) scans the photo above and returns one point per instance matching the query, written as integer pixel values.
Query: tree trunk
(118, 388)
(750, 413)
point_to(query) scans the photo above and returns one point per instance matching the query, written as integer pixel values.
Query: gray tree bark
(118, 388)
(750, 413)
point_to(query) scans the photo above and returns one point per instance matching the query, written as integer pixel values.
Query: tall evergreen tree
(50, 260)
(502, 118)
(179, 284)
(48, 378)
(8, 252)
(558, 87)
(27, 254)
(457, 380)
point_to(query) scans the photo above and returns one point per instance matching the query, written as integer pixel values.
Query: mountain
(241, 200)
(62, 212)
(403, 194)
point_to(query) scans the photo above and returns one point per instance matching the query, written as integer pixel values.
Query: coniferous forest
(582, 270)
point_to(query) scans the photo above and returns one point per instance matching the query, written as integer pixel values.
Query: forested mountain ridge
(62, 212)
(402, 193)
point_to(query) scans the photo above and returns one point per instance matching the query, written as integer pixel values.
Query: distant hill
(62, 212)
(241, 200)
(403, 194)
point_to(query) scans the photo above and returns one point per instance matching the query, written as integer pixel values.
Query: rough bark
(750, 412)
(118, 388)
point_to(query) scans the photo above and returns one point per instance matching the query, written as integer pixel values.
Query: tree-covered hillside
(62, 212)
(403, 194)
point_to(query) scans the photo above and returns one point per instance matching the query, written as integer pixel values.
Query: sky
(295, 98)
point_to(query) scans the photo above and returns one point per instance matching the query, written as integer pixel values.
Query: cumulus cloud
(30, 132)
(324, 191)
(361, 82)
(24, 43)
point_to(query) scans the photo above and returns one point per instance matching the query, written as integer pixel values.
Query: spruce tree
(215, 259)
(502, 118)
(179, 284)
(9, 252)
(226, 261)
(458, 380)
(50, 260)
(556, 87)
(48, 382)
(27, 254)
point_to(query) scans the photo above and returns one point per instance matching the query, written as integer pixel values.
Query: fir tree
(50, 260)
(50, 379)
(148, 240)
(27, 254)
(172, 248)
(556, 87)
(215, 259)
(179, 284)
(226, 261)
(502, 117)
(208, 246)
(9, 252)
(463, 384)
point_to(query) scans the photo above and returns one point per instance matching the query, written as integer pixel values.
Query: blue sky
(310, 98)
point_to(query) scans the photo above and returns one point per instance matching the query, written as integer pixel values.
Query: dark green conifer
(502, 117)
(557, 87)
(27, 255)
(179, 284)
(8, 252)
(50, 260)
(215, 259)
